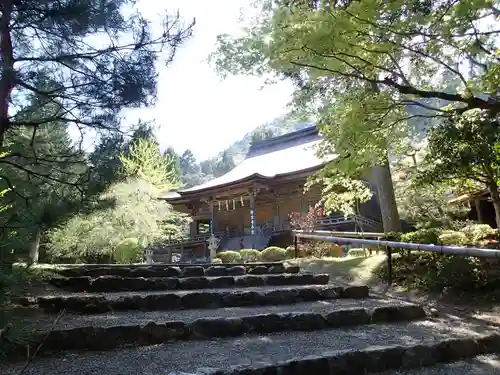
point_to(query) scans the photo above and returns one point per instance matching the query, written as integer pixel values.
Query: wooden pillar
(193, 228)
(253, 224)
(276, 218)
(212, 218)
(479, 211)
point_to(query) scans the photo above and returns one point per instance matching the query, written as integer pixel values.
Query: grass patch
(355, 270)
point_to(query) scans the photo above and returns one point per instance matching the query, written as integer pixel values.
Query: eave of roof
(468, 197)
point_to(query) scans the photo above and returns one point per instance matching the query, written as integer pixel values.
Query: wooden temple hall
(249, 207)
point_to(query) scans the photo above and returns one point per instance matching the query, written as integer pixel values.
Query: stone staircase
(253, 319)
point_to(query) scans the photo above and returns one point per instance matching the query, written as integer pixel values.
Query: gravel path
(187, 356)
(140, 317)
(481, 365)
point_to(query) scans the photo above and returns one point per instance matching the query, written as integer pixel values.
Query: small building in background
(480, 205)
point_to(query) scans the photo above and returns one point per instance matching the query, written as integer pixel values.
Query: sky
(196, 109)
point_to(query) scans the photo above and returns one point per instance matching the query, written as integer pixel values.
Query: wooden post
(479, 211)
(388, 251)
(212, 217)
(252, 218)
(296, 246)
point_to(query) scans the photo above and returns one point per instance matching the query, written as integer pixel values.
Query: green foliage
(451, 238)
(425, 205)
(229, 257)
(216, 261)
(320, 249)
(128, 251)
(463, 148)
(290, 252)
(133, 211)
(144, 161)
(14, 281)
(361, 252)
(362, 70)
(423, 236)
(45, 175)
(477, 232)
(50, 40)
(434, 272)
(250, 255)
(273, 254)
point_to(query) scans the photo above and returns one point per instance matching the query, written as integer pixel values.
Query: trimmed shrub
(128, 251)
(423, 236)
(290, 252)
(229, 257)
(477, 232)
(450, 238)
(273, 254)
(250, 255)
(216, 261)
(358, 252)
(321, 249)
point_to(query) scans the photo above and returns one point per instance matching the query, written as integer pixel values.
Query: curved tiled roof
(268, 159)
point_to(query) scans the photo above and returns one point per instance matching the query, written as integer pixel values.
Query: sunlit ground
(356, 270)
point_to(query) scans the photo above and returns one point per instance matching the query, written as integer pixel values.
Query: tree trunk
(387, 200)
(7, 74)
(495, 198)
(34, 248)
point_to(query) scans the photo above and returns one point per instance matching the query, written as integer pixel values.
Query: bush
(128, 251)
(273, 254)
(450, 238)
(423, 236)
(432, 271)
(229, 257)
(130, 210)
(250, 255)
(290, 252)
(14, 282)
(358, 252)
(321, 249)
(477, 232)
(216, 261)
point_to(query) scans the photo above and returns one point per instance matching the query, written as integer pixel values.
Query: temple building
(249, 207)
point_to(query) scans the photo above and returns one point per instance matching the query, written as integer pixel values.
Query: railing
(456, 250)
(269, 228)
(196, 238)
(334, 220)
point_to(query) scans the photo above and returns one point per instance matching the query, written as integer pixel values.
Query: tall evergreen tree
(48, 50)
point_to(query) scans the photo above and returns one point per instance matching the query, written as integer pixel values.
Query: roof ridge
(310, 130)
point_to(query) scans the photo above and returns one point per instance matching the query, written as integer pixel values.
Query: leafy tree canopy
(465, 148)
(145, 161)
(135, 215)
(359, 65)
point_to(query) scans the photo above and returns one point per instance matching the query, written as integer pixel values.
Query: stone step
(355, 350)
(202, 298)
(166, 270)
(480, 365)
(129, 284)
(108, 331)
